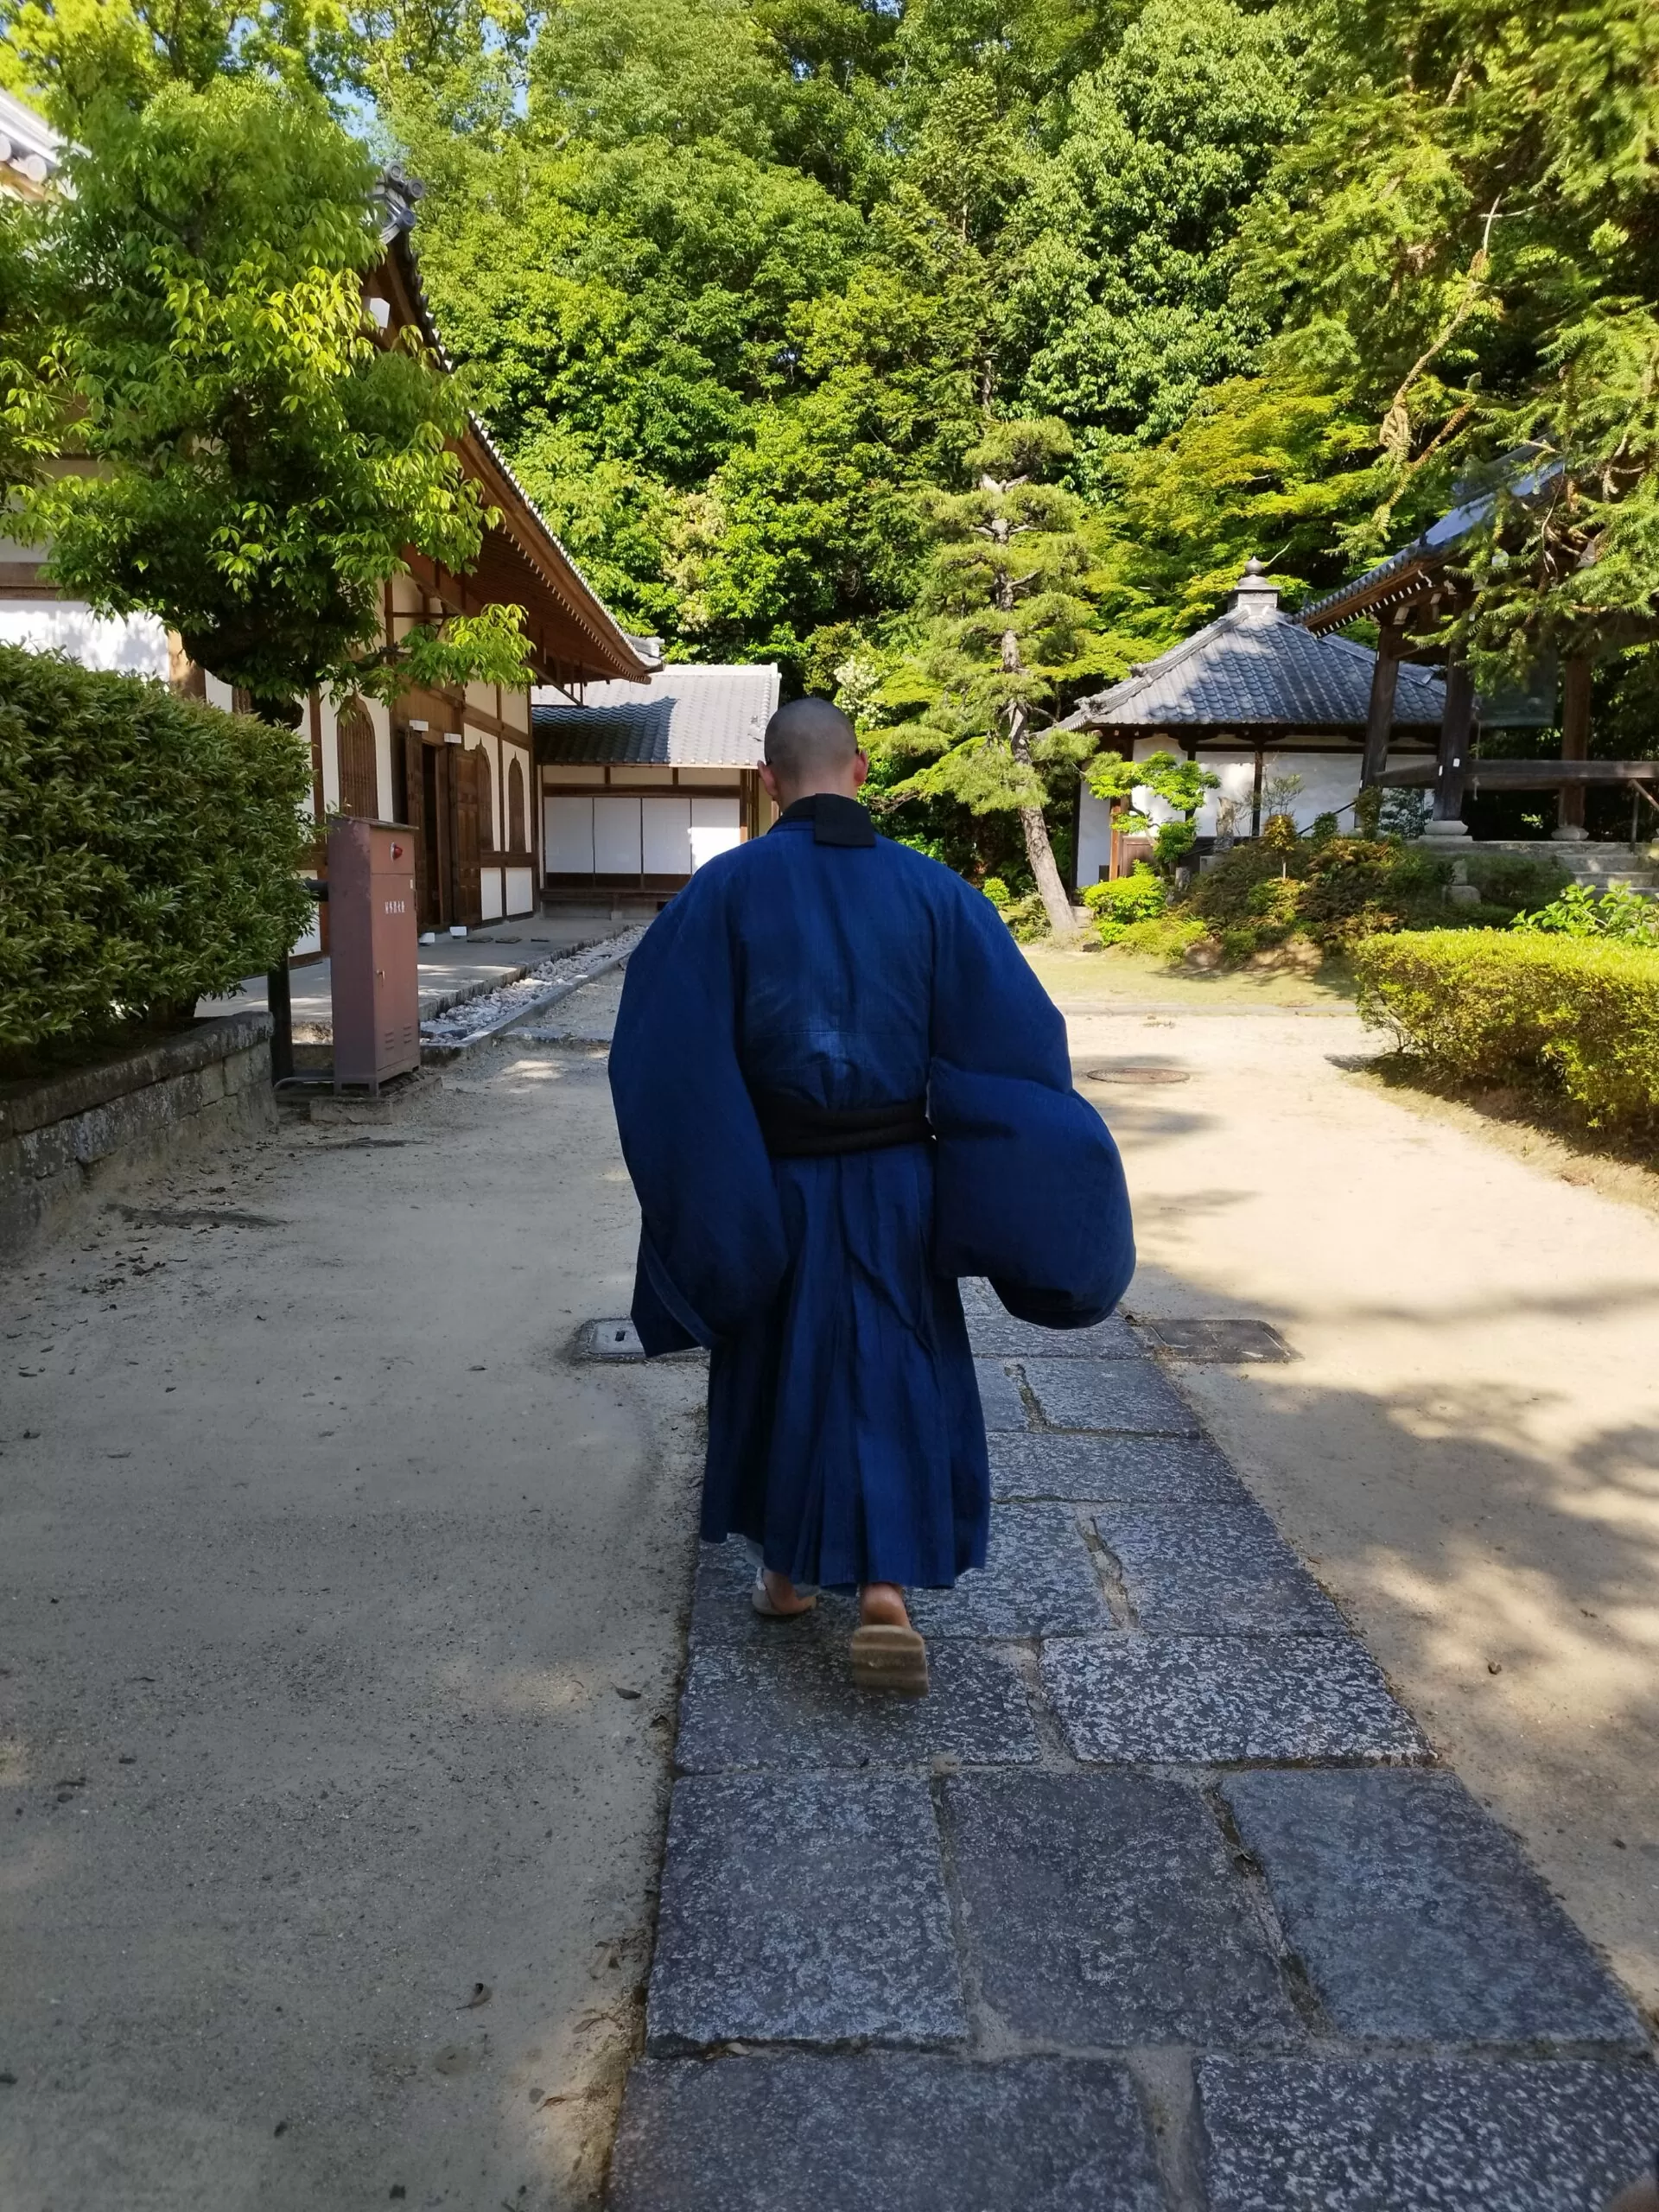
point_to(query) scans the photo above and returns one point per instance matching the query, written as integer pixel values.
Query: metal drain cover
(617, 1340)
(1120, 1072)
(1227, 1341)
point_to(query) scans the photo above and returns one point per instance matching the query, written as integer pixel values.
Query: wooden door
(467, 903)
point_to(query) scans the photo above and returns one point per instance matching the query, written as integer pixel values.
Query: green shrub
(1579, 911)
(1026, 918)
(1512, 880)
(149, 848)
(1574, 1018)
(996, 891)
(1337, 891)
(1130, 898)
(1163, 936)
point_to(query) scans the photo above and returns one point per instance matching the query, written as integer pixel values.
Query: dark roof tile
(686, 716)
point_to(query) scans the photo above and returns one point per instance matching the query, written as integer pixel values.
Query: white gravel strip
(543, 986)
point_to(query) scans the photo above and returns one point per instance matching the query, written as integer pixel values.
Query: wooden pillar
(1456, 734)
(318, 819)
(1255, 796)
(1575, 738)
(1379, 717)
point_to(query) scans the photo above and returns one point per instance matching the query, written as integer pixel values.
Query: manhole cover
(618, 1340)
(1224, 1341)
(1118, 1071)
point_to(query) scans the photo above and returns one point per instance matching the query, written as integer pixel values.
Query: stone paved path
(1158, 1903)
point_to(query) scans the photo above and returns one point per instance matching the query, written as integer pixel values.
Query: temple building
(1261, 700)
(640, 786)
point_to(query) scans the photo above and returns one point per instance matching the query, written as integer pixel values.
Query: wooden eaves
(574, 637)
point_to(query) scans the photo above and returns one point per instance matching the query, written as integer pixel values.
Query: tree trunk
(1057, 903)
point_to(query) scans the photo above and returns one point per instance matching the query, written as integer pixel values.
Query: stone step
(1601, 867)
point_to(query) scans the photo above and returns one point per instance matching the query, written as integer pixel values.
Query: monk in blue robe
(840, 1088)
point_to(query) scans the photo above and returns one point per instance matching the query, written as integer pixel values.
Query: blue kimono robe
(822, 963)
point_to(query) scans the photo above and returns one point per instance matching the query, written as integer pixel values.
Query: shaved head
(810, 746)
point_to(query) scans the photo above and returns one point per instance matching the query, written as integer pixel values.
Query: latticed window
(517, 835)
(485, 804)
(359, 786)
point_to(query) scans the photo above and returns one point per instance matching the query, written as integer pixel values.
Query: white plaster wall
(521, 889)
(489, 893)
(1329, 785)
(1094, 840)
(129, 645)
(220, 695)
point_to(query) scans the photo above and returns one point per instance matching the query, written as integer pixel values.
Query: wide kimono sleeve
(712, 1252)
(1029, 1188)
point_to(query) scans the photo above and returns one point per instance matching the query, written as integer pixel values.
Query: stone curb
(616, 950)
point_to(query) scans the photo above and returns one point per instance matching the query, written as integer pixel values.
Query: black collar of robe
(836, 820)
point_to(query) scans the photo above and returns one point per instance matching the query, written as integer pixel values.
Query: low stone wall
(72, 1139)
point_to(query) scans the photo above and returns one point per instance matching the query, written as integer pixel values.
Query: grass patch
(1093, 971)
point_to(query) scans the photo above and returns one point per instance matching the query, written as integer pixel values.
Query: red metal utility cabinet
(373, 958)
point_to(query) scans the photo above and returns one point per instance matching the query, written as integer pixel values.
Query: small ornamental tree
(1179, 784)
(1010, 623)
(253, 464)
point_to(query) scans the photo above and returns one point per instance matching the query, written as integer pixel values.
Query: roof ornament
(1254, 595)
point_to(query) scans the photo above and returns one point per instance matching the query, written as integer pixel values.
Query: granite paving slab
(803, 1908)
(999, 1336)
(1130, 1470)
(987, 1974)
(721, 1611)
(999, 1394)
(790, 1701)
(790, 2131)
(1224, 1701)
(1039, 1578)
(1126, 1396)
(1207, 1575)
(1424, 2135)
(1103, 1910)
(1416, 1916)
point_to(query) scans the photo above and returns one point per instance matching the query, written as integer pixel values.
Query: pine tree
(1009, 623)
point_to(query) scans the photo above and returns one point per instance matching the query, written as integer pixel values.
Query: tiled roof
(1363, 594)
(31, 152)
(685, 716)
(1254, 669)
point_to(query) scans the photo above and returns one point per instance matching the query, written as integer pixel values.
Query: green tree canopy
(246, 461)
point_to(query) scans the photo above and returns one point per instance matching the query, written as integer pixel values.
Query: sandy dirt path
(342, 1619)
(1467, 1449)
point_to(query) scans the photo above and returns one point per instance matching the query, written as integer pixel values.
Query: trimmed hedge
(149, 849)
(1576, 1018)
